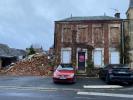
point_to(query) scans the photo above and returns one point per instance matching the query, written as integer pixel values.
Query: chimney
(117, 15)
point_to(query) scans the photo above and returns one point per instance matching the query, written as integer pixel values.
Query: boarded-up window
(98, 35)
(67, 35)
(114, 35)
(98, 58)
(82, 35)
(66, 56)
(114, 57)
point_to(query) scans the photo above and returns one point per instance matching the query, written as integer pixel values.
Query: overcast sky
(26, 22)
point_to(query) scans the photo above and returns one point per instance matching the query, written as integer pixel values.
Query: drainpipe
(122, 41)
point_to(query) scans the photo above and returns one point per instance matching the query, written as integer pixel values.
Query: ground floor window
(114, 57)
(66, 55)
(97, 58)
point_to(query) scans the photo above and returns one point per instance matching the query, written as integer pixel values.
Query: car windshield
(116, 66)
(64, 67)
(120, 65)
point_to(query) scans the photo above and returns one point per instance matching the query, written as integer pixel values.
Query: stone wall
(130, 28)
(96, 34)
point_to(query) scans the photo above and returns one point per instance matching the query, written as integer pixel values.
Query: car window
(64, 67)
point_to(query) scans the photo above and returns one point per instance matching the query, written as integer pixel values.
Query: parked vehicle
(64, 73)
(116, 73)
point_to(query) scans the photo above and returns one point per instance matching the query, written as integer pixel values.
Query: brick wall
(86, 34)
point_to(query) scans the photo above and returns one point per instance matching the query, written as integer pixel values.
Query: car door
(105, 71)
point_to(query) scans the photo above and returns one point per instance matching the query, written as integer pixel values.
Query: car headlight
(71, 75)
(56, 75)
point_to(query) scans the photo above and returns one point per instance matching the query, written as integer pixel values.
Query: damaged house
(9, 55)
(82, 40)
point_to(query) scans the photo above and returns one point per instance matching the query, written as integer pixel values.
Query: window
(98, 34)
(65, 56)
(82, 35)
(114, 35)
(67, 35)
(98, 58)
(114, 57)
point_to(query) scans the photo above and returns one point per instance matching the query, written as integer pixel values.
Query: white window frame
(69, 50)
(102, 57)
(113, 50)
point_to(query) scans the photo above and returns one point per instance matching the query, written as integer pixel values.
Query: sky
(27, 22)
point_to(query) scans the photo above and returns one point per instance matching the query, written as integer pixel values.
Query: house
(83, 40)
(129, 14)
(9, 55)
(37, 48)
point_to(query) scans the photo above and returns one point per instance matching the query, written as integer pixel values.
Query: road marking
(27, 88)
(38, 88)
(102, 86)
(105, 94)
(84, 98)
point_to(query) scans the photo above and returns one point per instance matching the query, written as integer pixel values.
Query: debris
(36, 65)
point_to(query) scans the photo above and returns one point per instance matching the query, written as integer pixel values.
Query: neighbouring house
(83, 40)
(37, 49)
(130, 28)
(10, 55)
(50, 53)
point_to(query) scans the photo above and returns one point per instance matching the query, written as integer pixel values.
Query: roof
(90, 18)
(131, 4)
(5, 51)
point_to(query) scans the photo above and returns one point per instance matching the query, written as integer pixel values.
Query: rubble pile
(37, 65)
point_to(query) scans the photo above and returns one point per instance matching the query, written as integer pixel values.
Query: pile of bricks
(38, 65)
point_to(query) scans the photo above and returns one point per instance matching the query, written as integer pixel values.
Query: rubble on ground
(37, 65)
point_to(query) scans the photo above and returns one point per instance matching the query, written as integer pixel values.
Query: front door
(81, 61)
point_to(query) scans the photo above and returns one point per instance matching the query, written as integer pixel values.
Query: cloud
(24, 22)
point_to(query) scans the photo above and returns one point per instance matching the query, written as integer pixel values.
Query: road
(42, 88)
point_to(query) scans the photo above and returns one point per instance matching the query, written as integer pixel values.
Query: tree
(31, 50)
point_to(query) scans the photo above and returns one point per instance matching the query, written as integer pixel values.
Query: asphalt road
(40, 88)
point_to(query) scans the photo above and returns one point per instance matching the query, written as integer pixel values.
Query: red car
(64, 73)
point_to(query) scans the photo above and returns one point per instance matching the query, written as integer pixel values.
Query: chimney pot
(117, 15)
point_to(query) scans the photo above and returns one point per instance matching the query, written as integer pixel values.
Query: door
(81, 61)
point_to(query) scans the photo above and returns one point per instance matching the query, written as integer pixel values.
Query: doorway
(81, 61)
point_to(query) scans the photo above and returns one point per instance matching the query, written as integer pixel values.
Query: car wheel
(74, 80)
(107, 79)
(130, 83)
(54, 82)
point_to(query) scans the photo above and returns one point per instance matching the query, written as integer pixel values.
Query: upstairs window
(82, 35)
(98, 35)
(114, 35)
(67, 35)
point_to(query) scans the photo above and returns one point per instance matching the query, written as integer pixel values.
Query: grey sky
(26, 22)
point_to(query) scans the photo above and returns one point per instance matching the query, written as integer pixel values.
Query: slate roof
(131, 4)
(90, 18)
(5, 51)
